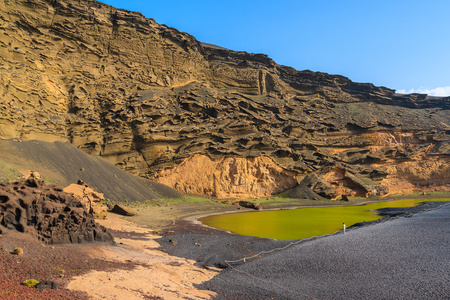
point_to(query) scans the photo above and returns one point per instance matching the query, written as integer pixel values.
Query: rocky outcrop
(29, 174)
(421, 173)
(92, 200)
(148, 97)
(302, 191)
(338, 182)
(49, 213)
(227, 177)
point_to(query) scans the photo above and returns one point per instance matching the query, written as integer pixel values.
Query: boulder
(91, 199)
(47, 285)
(249, 204)
(123, 210)
(344, 198)
(17, 251)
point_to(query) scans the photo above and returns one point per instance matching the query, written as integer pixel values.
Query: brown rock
(17, 251)
(29, 174)
(92, 200)
(319, 186)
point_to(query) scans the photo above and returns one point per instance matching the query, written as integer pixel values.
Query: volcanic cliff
(203, 119)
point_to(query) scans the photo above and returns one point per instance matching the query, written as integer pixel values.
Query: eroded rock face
(46, 211)
(227, 177)
(147, 97)
(422, 173)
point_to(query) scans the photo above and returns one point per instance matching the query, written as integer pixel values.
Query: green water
(302, 222)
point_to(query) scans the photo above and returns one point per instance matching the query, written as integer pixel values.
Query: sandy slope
(64, 164)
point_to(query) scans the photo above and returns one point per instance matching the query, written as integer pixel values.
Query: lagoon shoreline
(397, 258)
(212, 247)
(406, 253)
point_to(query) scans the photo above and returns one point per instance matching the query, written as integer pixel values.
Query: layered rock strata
(150, 99)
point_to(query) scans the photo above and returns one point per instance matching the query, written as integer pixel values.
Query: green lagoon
(302, 223)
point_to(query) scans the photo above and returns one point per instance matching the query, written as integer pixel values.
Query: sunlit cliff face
(149, 98)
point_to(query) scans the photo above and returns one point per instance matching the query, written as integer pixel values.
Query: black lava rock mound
(55, 217)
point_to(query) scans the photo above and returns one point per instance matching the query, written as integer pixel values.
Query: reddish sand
(131, 269)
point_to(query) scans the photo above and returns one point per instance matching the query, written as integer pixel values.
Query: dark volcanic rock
(55, 217)
(123, 210)
(302, 191)
(47, 285)
(249, 204)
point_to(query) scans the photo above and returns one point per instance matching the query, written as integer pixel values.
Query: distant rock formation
(55, 217)
(302, 191)
(149, 98)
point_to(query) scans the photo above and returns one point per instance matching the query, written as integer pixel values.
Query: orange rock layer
(228, 177)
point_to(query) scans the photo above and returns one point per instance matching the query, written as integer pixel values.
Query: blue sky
(400, 44)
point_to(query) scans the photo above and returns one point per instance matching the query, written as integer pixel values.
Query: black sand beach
(403, 258)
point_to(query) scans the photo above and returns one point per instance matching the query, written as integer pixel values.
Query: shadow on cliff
(63, 164)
